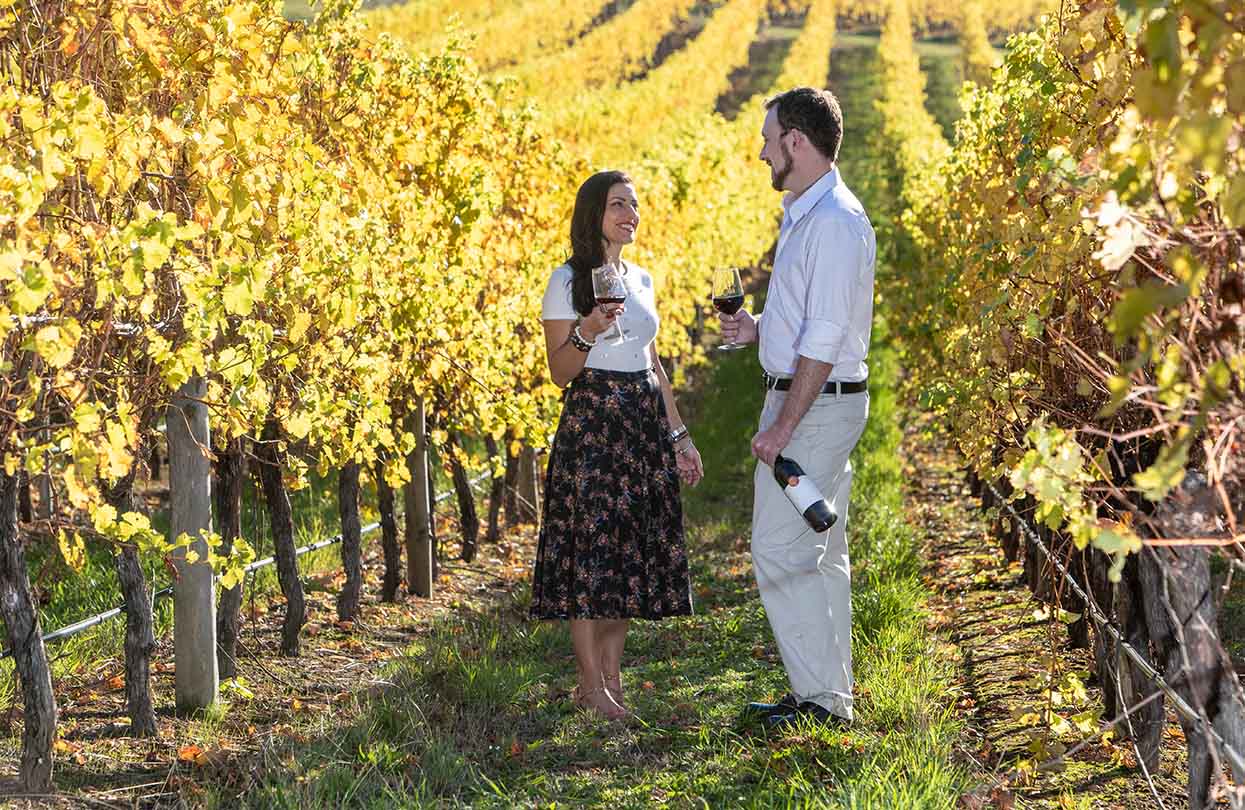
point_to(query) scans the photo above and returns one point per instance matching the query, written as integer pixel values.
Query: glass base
(730, 347)
(616, 335)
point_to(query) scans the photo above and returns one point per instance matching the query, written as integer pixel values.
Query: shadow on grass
(478, 712)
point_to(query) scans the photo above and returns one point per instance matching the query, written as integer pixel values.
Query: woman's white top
(639, 321)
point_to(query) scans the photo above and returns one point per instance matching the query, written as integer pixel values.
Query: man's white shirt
(820, 299)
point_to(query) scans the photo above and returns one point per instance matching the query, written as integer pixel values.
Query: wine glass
(609, 289)
(728, 297)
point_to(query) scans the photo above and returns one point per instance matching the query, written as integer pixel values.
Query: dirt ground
(1012, 655)
(1009, 653)
(99, 767)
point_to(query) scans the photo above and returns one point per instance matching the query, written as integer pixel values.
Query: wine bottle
(803, 494)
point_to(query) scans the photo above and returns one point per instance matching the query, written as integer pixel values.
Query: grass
(477, 713)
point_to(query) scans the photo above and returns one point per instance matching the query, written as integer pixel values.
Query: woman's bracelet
(685, 449)
(678, 433)
(580, 342)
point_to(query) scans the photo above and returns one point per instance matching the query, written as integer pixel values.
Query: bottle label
(804, 494)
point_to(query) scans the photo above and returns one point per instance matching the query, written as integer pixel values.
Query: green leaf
(1166, 472)
(1187, 268)
(1118, 387)
(298, 425)
(31, 288)
(236, 686)
(233, 569)
(1086, 722)
(935, 395)
(1117, 539)
(232, 578)
(1233, 202)
(237, 297)
(72, 549)
(1162, 45)
(1202, 141)
(1218, 385)
(1032, 327)
(1155, 96)
(1068, 617)
(56, 345)
(86, 416)
(1139, 303)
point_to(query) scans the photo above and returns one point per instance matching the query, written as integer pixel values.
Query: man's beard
(777, 179)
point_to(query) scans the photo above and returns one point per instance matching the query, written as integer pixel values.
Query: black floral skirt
(611, 543)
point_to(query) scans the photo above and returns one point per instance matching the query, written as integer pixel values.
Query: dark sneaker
(805, 713)
(785, 705)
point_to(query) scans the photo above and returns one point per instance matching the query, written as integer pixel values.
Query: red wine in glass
(728, 304)
(728, 296)
(608, 287)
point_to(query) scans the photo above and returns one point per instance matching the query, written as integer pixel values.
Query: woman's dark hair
(587, 240)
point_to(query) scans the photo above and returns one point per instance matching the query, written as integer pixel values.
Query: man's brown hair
(814, 112)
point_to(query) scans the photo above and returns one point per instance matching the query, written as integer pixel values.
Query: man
(813, 338)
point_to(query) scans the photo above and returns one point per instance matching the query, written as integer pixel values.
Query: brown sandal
(583, 700)
(613, 685)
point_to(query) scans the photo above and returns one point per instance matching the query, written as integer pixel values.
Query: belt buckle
(769, 381)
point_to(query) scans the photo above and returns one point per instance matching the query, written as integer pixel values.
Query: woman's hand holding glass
(610, 291)
(600, 320)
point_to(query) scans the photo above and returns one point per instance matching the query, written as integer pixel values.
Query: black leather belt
(835, 387)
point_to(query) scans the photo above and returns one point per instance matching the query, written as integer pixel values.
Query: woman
(611, 547)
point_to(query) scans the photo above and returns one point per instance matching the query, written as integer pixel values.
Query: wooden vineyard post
(194, 594)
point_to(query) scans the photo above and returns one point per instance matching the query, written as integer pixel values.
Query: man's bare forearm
(810, 376)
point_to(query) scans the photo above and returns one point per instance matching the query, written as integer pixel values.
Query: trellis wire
(1179, 703)
(74, 629)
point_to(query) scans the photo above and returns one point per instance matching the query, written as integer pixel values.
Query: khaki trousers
(805, 577)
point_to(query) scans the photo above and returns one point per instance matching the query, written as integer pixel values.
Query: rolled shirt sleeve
(835, 255)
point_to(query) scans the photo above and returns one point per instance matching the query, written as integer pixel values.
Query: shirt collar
(804, 203)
